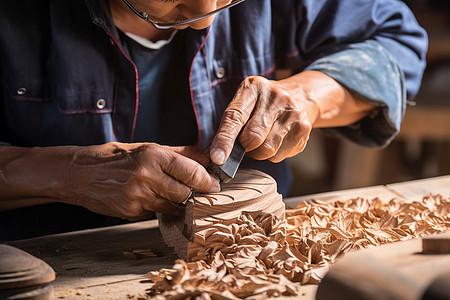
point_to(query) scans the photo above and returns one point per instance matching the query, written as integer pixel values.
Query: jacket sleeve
(375, 48)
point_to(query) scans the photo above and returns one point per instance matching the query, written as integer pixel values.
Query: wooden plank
(91, 264)
(415, 190)
(97, 262)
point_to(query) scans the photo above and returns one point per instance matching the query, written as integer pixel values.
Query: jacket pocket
(34, 115)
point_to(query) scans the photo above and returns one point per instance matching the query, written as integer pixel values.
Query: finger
(164, 206)
(234, 118)
(150, 180)
(172, 189)
(194, 153)
(286, 138)
(297, 138)
(189, 173)
(260, 124)
(147, 198)
(270, 146)
(293, 143)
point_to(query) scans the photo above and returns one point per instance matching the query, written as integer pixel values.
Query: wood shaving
(261, 257)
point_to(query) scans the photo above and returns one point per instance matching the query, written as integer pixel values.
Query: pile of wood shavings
(266, 257)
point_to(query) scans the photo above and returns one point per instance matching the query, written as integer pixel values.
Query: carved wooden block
(250, 191)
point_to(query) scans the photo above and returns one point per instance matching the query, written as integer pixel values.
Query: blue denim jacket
(67, 78)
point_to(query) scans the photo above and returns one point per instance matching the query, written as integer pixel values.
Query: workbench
(106, 263)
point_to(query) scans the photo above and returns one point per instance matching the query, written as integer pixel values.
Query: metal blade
(227, 171)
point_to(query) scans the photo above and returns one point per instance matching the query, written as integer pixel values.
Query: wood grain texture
(251, 191)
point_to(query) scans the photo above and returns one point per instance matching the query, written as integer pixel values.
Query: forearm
(326, 102)
(33, 176)
(122, 180)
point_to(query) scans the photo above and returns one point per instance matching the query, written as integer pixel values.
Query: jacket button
(220, 73)
(21, 91)
(101, 103)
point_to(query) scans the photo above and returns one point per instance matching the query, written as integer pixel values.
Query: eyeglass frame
(159, 25)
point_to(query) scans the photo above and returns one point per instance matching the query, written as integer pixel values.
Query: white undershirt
(149, 44)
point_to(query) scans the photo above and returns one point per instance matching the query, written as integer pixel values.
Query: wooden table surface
(95, 264)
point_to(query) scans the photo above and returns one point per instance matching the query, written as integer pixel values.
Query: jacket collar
(100, 15)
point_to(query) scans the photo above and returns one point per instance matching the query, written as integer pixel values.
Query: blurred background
(422, 148)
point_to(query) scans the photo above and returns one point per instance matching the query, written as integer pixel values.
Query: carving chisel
(226, 172)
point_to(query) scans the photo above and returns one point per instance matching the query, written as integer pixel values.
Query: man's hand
(276, 117)
(276, 125)
(132, 180)
(129, 181)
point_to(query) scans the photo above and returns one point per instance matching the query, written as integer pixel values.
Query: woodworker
(110, 109)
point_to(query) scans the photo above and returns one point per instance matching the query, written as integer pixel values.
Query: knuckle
(225, 137)
(301, 146)
(267, 149)
(174, 190)
(131, 210)
(297, 125)
(173, 163)
(255, 80)
(256, 134)
(140, 173)
(197, 174)
(234, 116)
(297, 114)
(297, 129)
(178, 194)
(304, 128)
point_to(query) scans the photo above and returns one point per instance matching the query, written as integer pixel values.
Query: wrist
(326, 102)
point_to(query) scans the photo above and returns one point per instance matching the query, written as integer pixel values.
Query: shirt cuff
(369, 71)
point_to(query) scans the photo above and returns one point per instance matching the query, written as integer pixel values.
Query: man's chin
(181, 27)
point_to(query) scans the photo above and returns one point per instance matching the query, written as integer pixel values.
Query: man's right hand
(129, 181)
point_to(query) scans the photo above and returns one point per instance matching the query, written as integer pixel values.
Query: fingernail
(218, 156)
(215, 189)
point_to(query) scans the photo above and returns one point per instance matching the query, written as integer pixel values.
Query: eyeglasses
(167, 25)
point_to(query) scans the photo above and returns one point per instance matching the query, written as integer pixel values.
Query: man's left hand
(275, 126)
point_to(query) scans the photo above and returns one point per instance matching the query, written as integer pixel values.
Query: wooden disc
(19, 269)
(251, 191)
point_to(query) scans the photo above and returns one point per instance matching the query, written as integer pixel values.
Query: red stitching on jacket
(137, 85)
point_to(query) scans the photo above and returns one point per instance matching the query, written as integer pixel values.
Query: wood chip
(269, 257)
